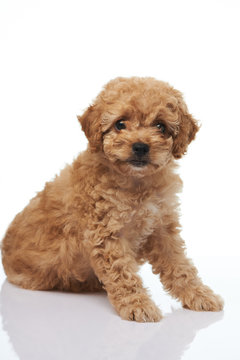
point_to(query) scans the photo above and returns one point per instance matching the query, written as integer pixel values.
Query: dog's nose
(140, 149)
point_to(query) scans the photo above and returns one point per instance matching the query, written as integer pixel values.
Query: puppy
(115, 207)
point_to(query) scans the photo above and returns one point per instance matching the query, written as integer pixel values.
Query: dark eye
(161, 127)
(120, 125)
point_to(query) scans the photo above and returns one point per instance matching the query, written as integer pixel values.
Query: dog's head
(139, 124)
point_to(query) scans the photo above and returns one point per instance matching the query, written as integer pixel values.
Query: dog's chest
(141, 221)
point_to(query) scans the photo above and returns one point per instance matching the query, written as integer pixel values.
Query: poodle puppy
(115, 207)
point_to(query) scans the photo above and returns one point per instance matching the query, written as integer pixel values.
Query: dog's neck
(98, 164)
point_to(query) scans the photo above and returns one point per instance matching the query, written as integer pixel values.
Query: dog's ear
(188, 128)
(91, 125)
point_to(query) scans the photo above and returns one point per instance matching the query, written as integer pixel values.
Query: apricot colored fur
(102, 217)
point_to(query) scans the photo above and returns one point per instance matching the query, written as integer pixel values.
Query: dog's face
(139, 124)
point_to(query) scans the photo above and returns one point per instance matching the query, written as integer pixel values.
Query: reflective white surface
(37, 325)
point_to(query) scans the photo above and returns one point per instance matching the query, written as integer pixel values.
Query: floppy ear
(91, 125)
(188, 128)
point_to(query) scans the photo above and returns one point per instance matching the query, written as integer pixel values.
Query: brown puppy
(115, 207)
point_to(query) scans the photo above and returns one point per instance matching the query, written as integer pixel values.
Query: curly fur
(103, 216)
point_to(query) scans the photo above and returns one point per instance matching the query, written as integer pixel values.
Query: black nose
(140, 149)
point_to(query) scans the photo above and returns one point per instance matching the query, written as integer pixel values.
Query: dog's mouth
(138, 163)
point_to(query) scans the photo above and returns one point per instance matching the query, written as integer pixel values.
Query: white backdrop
(55, 57)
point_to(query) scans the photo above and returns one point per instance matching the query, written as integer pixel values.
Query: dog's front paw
(141, 310)
(203, 299)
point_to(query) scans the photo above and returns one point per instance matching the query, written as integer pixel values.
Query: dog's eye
(119, 125)
(161, 127)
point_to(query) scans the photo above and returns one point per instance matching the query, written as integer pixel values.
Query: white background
(55, 57)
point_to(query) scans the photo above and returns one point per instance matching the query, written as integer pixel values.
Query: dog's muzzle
(140, 154)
